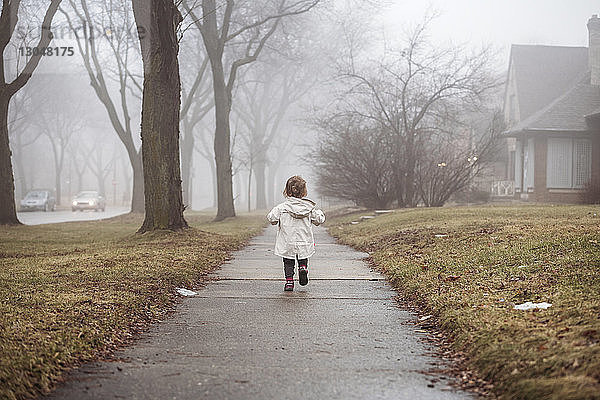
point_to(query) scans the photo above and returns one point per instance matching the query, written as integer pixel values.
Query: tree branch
(33, 62)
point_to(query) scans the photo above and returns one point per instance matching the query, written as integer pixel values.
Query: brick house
(552, 111)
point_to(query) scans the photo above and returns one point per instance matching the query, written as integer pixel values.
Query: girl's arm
(273, 216)
(317, 217)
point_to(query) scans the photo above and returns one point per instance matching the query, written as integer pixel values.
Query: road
(241, 337)
(41, 217)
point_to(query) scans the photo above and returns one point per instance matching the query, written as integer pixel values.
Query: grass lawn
(76, 291)
(468, 267)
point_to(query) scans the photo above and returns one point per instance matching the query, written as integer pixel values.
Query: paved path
(242, 337)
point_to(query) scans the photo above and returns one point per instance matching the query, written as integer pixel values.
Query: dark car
(39, 199)
(89, 200)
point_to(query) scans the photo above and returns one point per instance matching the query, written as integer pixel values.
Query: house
(552, 114)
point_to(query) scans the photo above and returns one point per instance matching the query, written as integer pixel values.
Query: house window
(582, 153)
(569, 163)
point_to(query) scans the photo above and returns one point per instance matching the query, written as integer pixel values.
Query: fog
(325, 97)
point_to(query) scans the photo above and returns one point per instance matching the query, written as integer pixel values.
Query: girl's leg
(303, 271)
(288, 268)
(303, 263)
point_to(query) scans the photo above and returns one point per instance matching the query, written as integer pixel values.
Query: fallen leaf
(451, 278)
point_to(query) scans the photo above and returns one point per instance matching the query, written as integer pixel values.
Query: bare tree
(247, 160)
(96, 162)
(203, 147)
(8, 22)
(57, 120)
(452, 159)
(158, 22)
(402, 91)
(354, 161)
(125, 56)
(409, 101)
(244, 25)
(79, 156)
(281, 148)
(196, 104)
(265, 97)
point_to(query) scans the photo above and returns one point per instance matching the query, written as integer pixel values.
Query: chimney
(594, 49)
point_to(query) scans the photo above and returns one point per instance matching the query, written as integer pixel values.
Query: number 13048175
(46, 51)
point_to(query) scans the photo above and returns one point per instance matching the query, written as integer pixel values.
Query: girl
(295, 239)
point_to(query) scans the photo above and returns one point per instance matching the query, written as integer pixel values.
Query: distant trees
(265, 96)
(412, 108)
(98, 165)
(196, 104)
(247, 27)
(57, 121)
(124, 70)
(8, 21)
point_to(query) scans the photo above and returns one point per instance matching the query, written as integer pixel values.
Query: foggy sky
(498, 22)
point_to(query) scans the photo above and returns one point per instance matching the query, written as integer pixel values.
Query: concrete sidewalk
(340, 337)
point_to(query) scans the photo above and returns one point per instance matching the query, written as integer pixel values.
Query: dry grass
(76, 291)
(491, 259)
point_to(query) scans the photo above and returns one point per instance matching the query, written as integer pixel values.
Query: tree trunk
(101, 183)
(187, 151)
(222, 143)
(259, 173)
(58, 186)
(137, 196)
(213, 174)
(250, 188)
(57, 173)
(21, 180)
(8, 212)
(409, 183)
(128, 180)
(159, 20)
(79, 181)
(239, 189)
(271, 185)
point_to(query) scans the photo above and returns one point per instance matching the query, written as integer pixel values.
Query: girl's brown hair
(295, 187)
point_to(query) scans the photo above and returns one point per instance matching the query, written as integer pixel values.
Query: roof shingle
(543, 73)
(566, 113)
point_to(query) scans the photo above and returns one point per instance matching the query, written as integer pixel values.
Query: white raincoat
(294, 236)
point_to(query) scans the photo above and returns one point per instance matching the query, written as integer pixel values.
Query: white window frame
(529, 161)
(518, 166)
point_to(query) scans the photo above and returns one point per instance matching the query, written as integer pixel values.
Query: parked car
(89, 200)
(39, 199)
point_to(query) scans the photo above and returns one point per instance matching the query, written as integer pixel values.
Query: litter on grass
(440, 236)
(185, 292)
(425, 318)
(354, 222)
(522, 266)
(530, 306)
